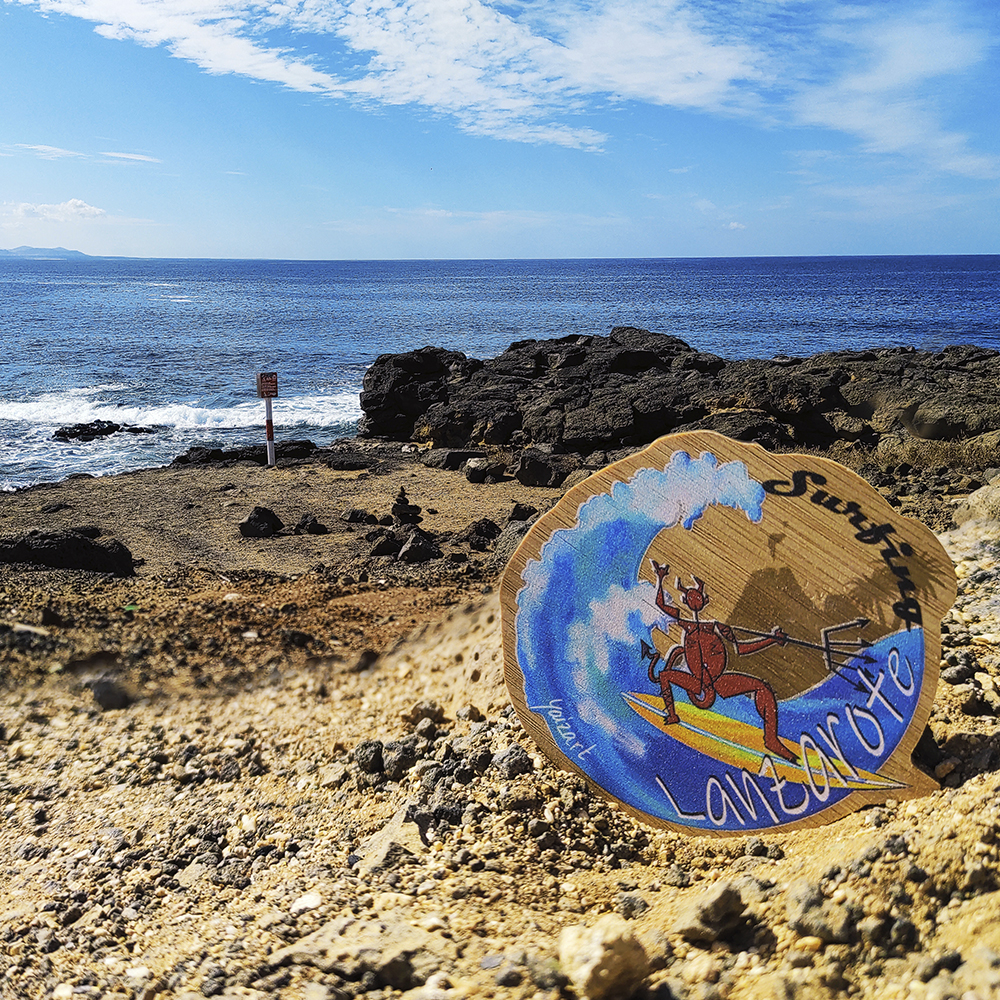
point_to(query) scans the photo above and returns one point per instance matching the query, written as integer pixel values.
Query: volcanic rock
(590, 394)
(403, 511)
(606, 960)
(451, 459)
(419, 547)
(86, 432)
(286, 451)
(67, 550)
(309, 525)
(260, 523)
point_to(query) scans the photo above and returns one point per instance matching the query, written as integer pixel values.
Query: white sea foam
(77, 406)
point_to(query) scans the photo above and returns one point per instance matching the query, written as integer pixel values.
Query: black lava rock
(260, 523)
(110, 695)
(67, 550)
(604, 394)
(86, 432)
(308, 525)
(513, 761)
(368, 756)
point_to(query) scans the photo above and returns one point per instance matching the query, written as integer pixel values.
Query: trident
(832, 648)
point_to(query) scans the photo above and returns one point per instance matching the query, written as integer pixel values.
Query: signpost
(727, 641)
(267, 389)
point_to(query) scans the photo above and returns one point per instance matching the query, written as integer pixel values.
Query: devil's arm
(745, 647)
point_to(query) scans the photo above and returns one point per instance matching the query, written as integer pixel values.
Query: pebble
(305, 903)
(712, 915)
(603, 961)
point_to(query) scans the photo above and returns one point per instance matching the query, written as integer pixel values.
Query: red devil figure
(704, 652)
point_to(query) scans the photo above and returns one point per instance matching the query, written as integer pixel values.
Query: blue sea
(176, 344)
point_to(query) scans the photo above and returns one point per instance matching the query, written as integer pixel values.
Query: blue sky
(532, 128)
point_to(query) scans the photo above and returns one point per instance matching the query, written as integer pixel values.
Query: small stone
(419, 548)
(522, 512)
(308, 525)
(213, 986)
(631, 905)
(545, 972)
(425, 729)
(513, 761)
(476, 470)
(509, 976)
(368, 756)
(229, 769)
(398, 757)
(358, 516)
(810, 915)
(424, 710)
(676, 877)
(261, 522)
(809, 943)
(713, 915)
(306, 902)
(110, 695)
(603, 961)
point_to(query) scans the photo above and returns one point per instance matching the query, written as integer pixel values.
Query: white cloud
(884, 91)
(57, 153)
(736, 225)
(529, 72)
(47, 152)
(132, 156)
(74, 210)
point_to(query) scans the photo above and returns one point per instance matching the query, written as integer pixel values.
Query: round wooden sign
(728, 641)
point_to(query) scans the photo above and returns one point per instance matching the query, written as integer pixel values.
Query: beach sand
(211, 836)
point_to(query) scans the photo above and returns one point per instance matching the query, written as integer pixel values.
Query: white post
(270, 432)
(267, 387)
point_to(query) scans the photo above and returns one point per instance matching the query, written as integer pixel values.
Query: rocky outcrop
(600, 394)
(97, 429)
(285, 451)
(67, 550)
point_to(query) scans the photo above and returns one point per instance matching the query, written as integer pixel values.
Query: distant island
(44, 253)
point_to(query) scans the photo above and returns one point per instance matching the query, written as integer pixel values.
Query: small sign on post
(267, 389)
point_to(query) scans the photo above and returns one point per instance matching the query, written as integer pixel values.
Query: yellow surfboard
(736, 744)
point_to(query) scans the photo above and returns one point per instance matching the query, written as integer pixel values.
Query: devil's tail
(652, 654)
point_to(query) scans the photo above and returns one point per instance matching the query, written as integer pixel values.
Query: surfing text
(907, 608)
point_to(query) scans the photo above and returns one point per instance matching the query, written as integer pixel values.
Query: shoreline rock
(588, 394)
(97, 429)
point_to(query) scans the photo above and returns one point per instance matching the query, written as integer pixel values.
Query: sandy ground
(228, 831)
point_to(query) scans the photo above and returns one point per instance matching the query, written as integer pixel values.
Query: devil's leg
(667, 692)
(689, 683)
(765, 703)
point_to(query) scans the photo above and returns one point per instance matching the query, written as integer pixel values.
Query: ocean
(176, 344)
